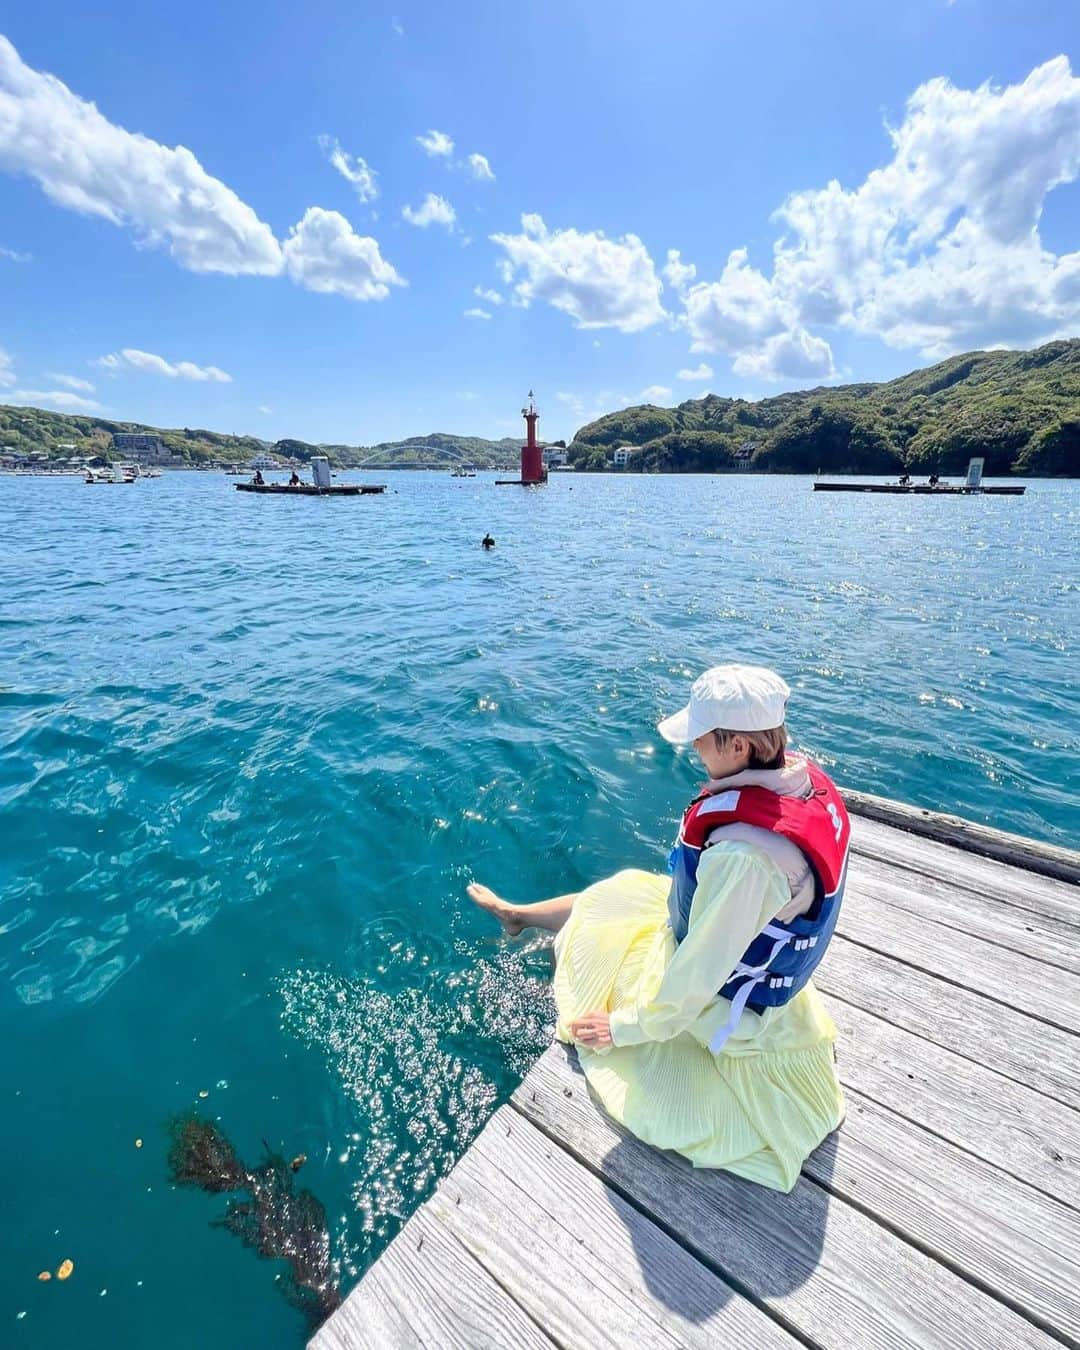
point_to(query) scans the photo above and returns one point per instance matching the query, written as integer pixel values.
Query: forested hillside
(1020, 410)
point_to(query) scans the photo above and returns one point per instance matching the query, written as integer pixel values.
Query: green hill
(1020, 410)
(440, 447)
(36, 431)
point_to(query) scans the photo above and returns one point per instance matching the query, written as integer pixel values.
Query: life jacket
(781, 959)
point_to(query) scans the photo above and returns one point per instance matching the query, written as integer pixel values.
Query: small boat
(119, 473)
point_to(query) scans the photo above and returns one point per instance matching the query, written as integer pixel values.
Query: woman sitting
(689, 998)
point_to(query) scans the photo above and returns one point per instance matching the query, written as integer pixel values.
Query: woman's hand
(593, 1030)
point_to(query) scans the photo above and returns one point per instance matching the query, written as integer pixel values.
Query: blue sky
(852, 190)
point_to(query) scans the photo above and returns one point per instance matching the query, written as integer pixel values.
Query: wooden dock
(944, 1212)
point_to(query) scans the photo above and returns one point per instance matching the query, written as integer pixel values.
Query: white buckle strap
(753, 976)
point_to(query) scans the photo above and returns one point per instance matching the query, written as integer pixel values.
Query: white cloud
(324, 254)
(7, 375)
(480, 168)
(75, 382)
(701, 372)
(12, 255)
(397, 26)
(795, 356)
(353, 168)
(492, 297)
(433, 210)
(467, 395)
(588, 409)
(739, 310)
(599, 282)
(59, 399)
(85, 163)
(133, 358)
(264, 409)
(437, 144)
(678, 273)
(477, 313)
(655, 393)
(937, 250)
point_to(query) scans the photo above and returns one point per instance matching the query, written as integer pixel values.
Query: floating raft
(310, 490)
(925, 490)
(944, 1212)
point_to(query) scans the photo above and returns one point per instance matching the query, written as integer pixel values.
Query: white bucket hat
(729, 698)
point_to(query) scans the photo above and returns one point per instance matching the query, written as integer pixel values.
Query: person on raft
(689, 997)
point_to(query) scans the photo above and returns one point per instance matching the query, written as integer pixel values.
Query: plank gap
(911, 1031)
(952, 1142)
(954, 983)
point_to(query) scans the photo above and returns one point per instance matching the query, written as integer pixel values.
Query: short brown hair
(766, 747)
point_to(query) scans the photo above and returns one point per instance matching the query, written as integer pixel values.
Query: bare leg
(549, 914)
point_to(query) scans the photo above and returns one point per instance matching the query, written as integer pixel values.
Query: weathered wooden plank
(968, 912)
(588, 1266)
(1043, 992)
(1031, 854)
(831, 1273)
(1013, 1241)
(427, 1291)
(1030, 1052)
(1056, 899)
(998, 1120)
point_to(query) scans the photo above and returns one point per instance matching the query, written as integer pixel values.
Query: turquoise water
(252, 750)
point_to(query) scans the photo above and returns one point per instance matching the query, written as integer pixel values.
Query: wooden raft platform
(944, 1212)
(926, 489)
(312, 490)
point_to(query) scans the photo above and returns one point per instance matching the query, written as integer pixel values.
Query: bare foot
(507, 914)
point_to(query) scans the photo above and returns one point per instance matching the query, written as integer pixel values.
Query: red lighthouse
(533, 472)
(532, 456)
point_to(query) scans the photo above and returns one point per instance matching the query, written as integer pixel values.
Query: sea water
(252, 750)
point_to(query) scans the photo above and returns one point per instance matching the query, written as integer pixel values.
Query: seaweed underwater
(266, 1211)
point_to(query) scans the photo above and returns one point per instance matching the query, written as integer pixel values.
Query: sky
(355, 222)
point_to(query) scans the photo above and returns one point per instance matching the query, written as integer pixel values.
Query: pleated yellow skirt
(757, 1109)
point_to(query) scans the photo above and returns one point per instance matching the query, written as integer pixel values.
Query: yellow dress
(771, 1095)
